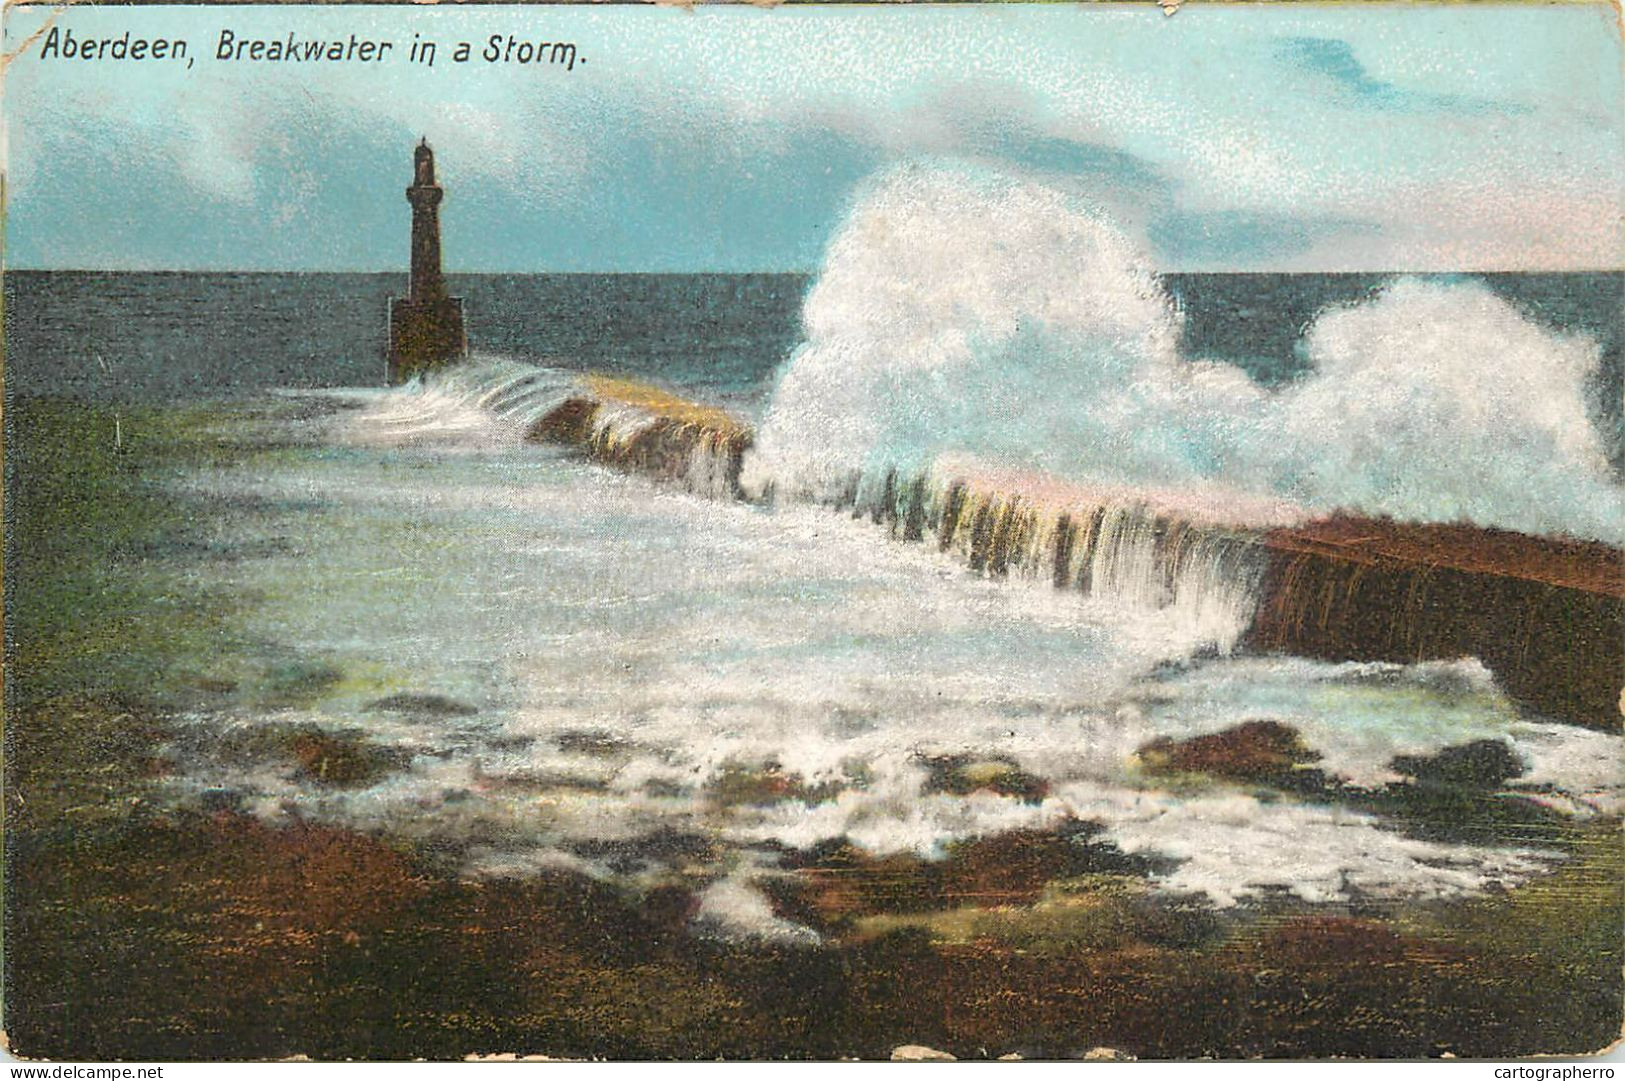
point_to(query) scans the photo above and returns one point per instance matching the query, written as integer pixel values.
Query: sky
(1336, 137)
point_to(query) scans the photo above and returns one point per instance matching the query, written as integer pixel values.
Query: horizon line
(812, 272)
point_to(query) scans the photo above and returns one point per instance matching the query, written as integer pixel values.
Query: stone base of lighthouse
(424, 336)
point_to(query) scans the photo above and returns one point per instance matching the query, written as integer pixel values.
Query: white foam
(486, 403)
(693, 636)
(732, 909)
(1441, 402)
(986, 316)
(1234, 846)
(960, 309)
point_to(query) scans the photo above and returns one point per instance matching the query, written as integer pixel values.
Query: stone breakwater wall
(1545, 615)
(638, 427)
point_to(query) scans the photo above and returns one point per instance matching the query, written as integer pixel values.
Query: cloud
(718, 163)
(1247, 236)
(1006, 123)
(1332, 62)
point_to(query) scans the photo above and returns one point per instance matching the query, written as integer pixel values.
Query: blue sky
(1335, 137)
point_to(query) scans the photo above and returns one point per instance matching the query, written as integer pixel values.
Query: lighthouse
(425, 326)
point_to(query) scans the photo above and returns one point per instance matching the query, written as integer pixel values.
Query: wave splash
(986, 315)
(991, 368)
(1162, 555)
(494, 403)
(836, 673)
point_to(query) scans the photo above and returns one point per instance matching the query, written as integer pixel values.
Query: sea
(157, 335)
(572, 667)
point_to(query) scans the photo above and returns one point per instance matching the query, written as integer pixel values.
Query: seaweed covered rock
(1256, 751)
(342, 759)
(1481, 764)
(425, 706)
(1460, 794)
(761, 784)
(961, 775)
(835, 883)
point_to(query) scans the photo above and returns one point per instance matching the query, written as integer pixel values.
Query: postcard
(851, 532)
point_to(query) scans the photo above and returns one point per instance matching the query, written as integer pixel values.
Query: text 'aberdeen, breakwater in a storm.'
(294, 48)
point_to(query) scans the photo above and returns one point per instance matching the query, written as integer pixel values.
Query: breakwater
(1545, 615)
(637, 426)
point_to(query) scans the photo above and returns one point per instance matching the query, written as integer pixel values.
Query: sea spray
(1440, 401)
(495, 403)
(961, 311)
(487, 403)
(632, 653)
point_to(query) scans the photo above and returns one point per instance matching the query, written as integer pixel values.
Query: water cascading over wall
(1546, 616)
(1109, 545)
(1118, 546)
(619, 422)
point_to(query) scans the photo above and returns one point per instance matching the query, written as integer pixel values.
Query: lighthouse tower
(426, 326)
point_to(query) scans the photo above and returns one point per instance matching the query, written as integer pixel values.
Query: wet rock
(536, 781)
(1014, 867)
(738, 784)
(220, 800)
(341, 759)
(424, 705)
(913, 1052)
(835, 884)
(664, 847)
(1458, 795)
(570, 423)
(961, 775)
(298, 683)
(1481, 764)
(590, 741)
(1265, 751)
(1106, 1054)
(670, 908)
